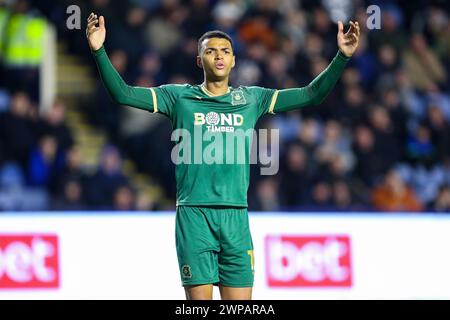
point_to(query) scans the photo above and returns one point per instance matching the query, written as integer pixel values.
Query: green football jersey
(213, 136)
(214, 169)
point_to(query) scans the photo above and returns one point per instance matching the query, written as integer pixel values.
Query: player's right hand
(95, 34)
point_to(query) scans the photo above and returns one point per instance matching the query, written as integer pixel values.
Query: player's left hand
(348, 42)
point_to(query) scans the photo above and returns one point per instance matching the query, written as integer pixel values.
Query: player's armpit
(315, 92)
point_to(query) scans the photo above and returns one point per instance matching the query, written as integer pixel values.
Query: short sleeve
(165, 97)
(265, 99)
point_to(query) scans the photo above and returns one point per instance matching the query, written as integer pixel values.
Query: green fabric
(214, 246)
(221, 178)
(204, 175)
(316, 91)
(119, 91)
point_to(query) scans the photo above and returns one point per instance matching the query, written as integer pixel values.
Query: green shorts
(214, 246)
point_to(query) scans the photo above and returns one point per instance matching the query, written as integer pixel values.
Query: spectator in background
(336, 168)
(71, 171)
(164, 31)
(124, 199)
(175, 62)
(146, 202)
(266, 196)
(45, 162)
(369, 163)
(392, 32)
(320, 197)
(277, 70)
(55, 126)
(17, 130)
(365, 62)
(198, 19)
(22, 47)
(308, 136)
(394, 195)
(342, 196)
(129, 34)
(442, 201)
(322, 26)
(440, 131)
(388, 62)
(334, 145)
(259, 24)
(226, 15)
(295, 176)
(102, 186)
(423, 66)
(419, 148)
(386, 141)
(438, 26)
(71, 198)
(294, 28)
(397, 112)
(352, 112)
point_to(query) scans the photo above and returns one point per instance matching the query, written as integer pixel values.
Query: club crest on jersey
(218, 122)
(186, 271)
(237, 97)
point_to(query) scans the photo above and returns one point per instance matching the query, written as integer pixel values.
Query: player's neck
(216, 88)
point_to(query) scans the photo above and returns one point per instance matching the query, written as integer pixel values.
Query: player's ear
(234, 61)
(199, 62)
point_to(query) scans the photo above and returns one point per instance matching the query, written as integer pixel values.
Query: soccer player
(213, 240)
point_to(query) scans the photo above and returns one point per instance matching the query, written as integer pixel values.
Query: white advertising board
(307, 256)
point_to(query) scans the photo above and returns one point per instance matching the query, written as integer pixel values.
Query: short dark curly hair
(214, 34)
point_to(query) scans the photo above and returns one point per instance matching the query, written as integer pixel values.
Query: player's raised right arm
(120, 92)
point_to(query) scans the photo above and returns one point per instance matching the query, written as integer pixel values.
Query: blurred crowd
(379, 142)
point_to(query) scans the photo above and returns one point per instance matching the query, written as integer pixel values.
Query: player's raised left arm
(315, 92)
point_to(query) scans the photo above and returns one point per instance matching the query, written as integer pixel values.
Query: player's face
(216, 58)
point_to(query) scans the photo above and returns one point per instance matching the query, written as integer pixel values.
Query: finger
(348, 35)
(91, 17)
(92, 23)
(351, 40)
(340, 27)
(93, 20)
(351, 29)
(101, 22)
(358, 30)
(91, 29)
(352, 37)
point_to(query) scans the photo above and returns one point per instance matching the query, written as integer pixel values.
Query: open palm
(348, 42)
(95, 34)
